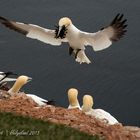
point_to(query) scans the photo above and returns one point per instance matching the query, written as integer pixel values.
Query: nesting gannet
(97, 113)
(72, 97)
(67, 32)
(4, 77)
(22, 80)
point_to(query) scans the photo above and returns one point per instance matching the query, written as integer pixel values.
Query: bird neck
(74, 102)
(72, 28)
(86, 108)
(15, 89)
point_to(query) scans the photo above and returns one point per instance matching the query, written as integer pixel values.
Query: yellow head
(87, 103)
(21, 80)
(65, 21)
(72, 97)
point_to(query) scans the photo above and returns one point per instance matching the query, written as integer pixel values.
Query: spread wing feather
(104, 38)
(33, 31)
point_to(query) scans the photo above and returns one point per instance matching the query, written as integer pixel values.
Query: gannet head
(21, 80)
(72, 97)
(87, 103)
(63, 23)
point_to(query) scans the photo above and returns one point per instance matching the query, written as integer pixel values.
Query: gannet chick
(67, 32)
(72, 97)
(4, 77)
(21, 81)
(97, 113)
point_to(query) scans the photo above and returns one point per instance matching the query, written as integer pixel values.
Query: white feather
(99, 41)
(102, 115)
(73, 107)
(38, 100)
(39, 33)
(82, 58)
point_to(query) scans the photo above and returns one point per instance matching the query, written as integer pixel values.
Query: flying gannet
(72, 97)
(97, 113)
(4, 77)
(22, 80)
(67, 32)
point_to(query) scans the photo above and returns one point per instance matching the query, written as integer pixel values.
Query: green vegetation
(14, 127)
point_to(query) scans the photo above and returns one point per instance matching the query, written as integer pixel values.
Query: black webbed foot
(77, 51)
(71, 51)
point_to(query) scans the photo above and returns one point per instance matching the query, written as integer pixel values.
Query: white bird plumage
(38, 100)
(97, 113)
(76, 38)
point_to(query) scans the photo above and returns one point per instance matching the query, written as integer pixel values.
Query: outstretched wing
(33, 31)
(104, 38)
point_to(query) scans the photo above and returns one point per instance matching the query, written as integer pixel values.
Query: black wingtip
(118, 17)
(2, 19)
(114, 20)
(51, 102)
(10, 73)
(119, 25)
(12, 25)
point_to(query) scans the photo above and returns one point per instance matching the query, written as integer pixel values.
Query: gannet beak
(29, 79)
(59, 31)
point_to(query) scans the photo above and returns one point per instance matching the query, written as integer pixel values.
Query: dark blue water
(113, 78)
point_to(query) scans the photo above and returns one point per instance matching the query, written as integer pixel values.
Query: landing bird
(67, 32)
(72, 97)
(97, 113)
(4, 77)
(22, 80)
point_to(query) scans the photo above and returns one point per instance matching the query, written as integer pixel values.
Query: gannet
(72, 97)
(66, 31)
(4, 77)
(97, 113)
(22, 80)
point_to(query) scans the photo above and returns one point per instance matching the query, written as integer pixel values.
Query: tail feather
(82, 58)
(50, 102)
